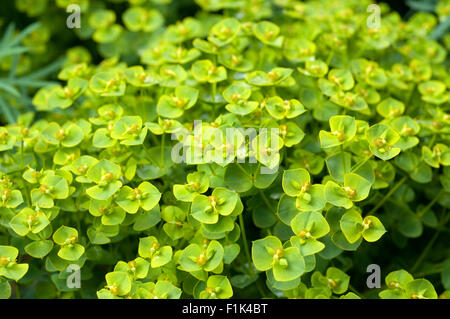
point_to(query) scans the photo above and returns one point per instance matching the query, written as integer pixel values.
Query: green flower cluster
(361, 156)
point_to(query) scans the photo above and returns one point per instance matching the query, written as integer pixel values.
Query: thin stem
(425, 251)
(27, 194)
(244, 171)
(154, 139)
(427, 273)
(261, 58)
(411, 93)
(150, 157)
(17, 290)
(343, 158)
(330, 57)
(21, 154)
(435, 199)
(246, 250)
(213, 97)
(266, 201)
(163, 141)
(354, 290)
(389, 194)
(430, 244)
(360, 164)
(213, 91)
(433, 138)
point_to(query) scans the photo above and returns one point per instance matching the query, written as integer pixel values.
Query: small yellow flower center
(272, 75)
(4, 261)
(201, 260)
(44, 189)
(114, 289)
(60, 134)
(73, 239)
(213, 200)
(107, 177)
(351, 192)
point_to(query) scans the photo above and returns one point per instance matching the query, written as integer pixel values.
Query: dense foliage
(356, 174)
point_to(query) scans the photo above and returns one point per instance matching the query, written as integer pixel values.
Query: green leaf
(190, 258)
(294, 181)
(118, 283)
(420, 289)
(5, 289)
(206, 71)
(291, 265)
(311, 200)
(217, 287)
(308, 227)
(173, 106)
(28, 220)
(337, 195)
(214, 255)
(71, 252)
(163, 257)
(339, 280)
(147, 219)
(287, 209)
(268, 33)
(357, 187)
(224, 31)
(390, 107)
(381, 140)
(351, 225)
(373, 229)
(343, 129)
(14, 272)
(230, 253)
(398, 279)
(64, 235)
(39, 249)
(263, 251)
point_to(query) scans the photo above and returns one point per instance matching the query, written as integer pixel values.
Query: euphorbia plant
(259, 149)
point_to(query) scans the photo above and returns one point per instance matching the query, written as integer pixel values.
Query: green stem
(330, 57)
(213, 91)
(435, 199)
(163, 142)
(411, 93)
(343, 157)
(433, 138)
(244, 240)
(150, 157)
(244, 171)
(154, 139)
(78, 219)
(21, 154)
(353, 289)
(360, 164)
(427, 273)
(389, 194)
(17, 290)
(266, 201)
(427, 249)
(261, 58)
(213, 97)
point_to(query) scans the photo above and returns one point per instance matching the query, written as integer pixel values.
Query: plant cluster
(359, 173)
